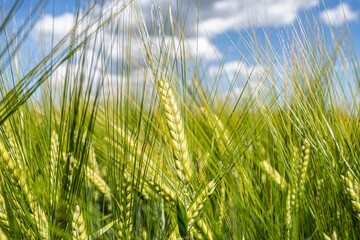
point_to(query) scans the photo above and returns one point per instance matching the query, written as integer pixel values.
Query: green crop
(154, 148)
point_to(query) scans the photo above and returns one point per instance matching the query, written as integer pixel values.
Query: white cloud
(216, 17)
(233, 68)
(115, 40)
(339, 15)
(202, 47)
(58, 26)
(222, 15)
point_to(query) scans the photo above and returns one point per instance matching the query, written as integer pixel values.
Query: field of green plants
(91, 148)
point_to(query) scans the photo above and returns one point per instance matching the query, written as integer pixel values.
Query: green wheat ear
(288, 216)
(204, 229)
(4, 223)
(98, 182)
(63, 211)
(53, 157)
(222, 203)
(196, 207)
(18, 176)
(333, 236)
(92, 174)
(273, 174)
(78, 225)
(176, 127)
(349, 182)
(305, 153)
(126, 192)
(3, 235)
(296, 189)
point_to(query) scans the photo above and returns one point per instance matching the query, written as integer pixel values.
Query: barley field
(119, 129)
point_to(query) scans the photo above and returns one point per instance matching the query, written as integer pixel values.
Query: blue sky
(218, 19)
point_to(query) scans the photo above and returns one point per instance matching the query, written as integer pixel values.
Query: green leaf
(181, 218)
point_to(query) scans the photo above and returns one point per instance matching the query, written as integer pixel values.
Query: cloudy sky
(208, 32)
